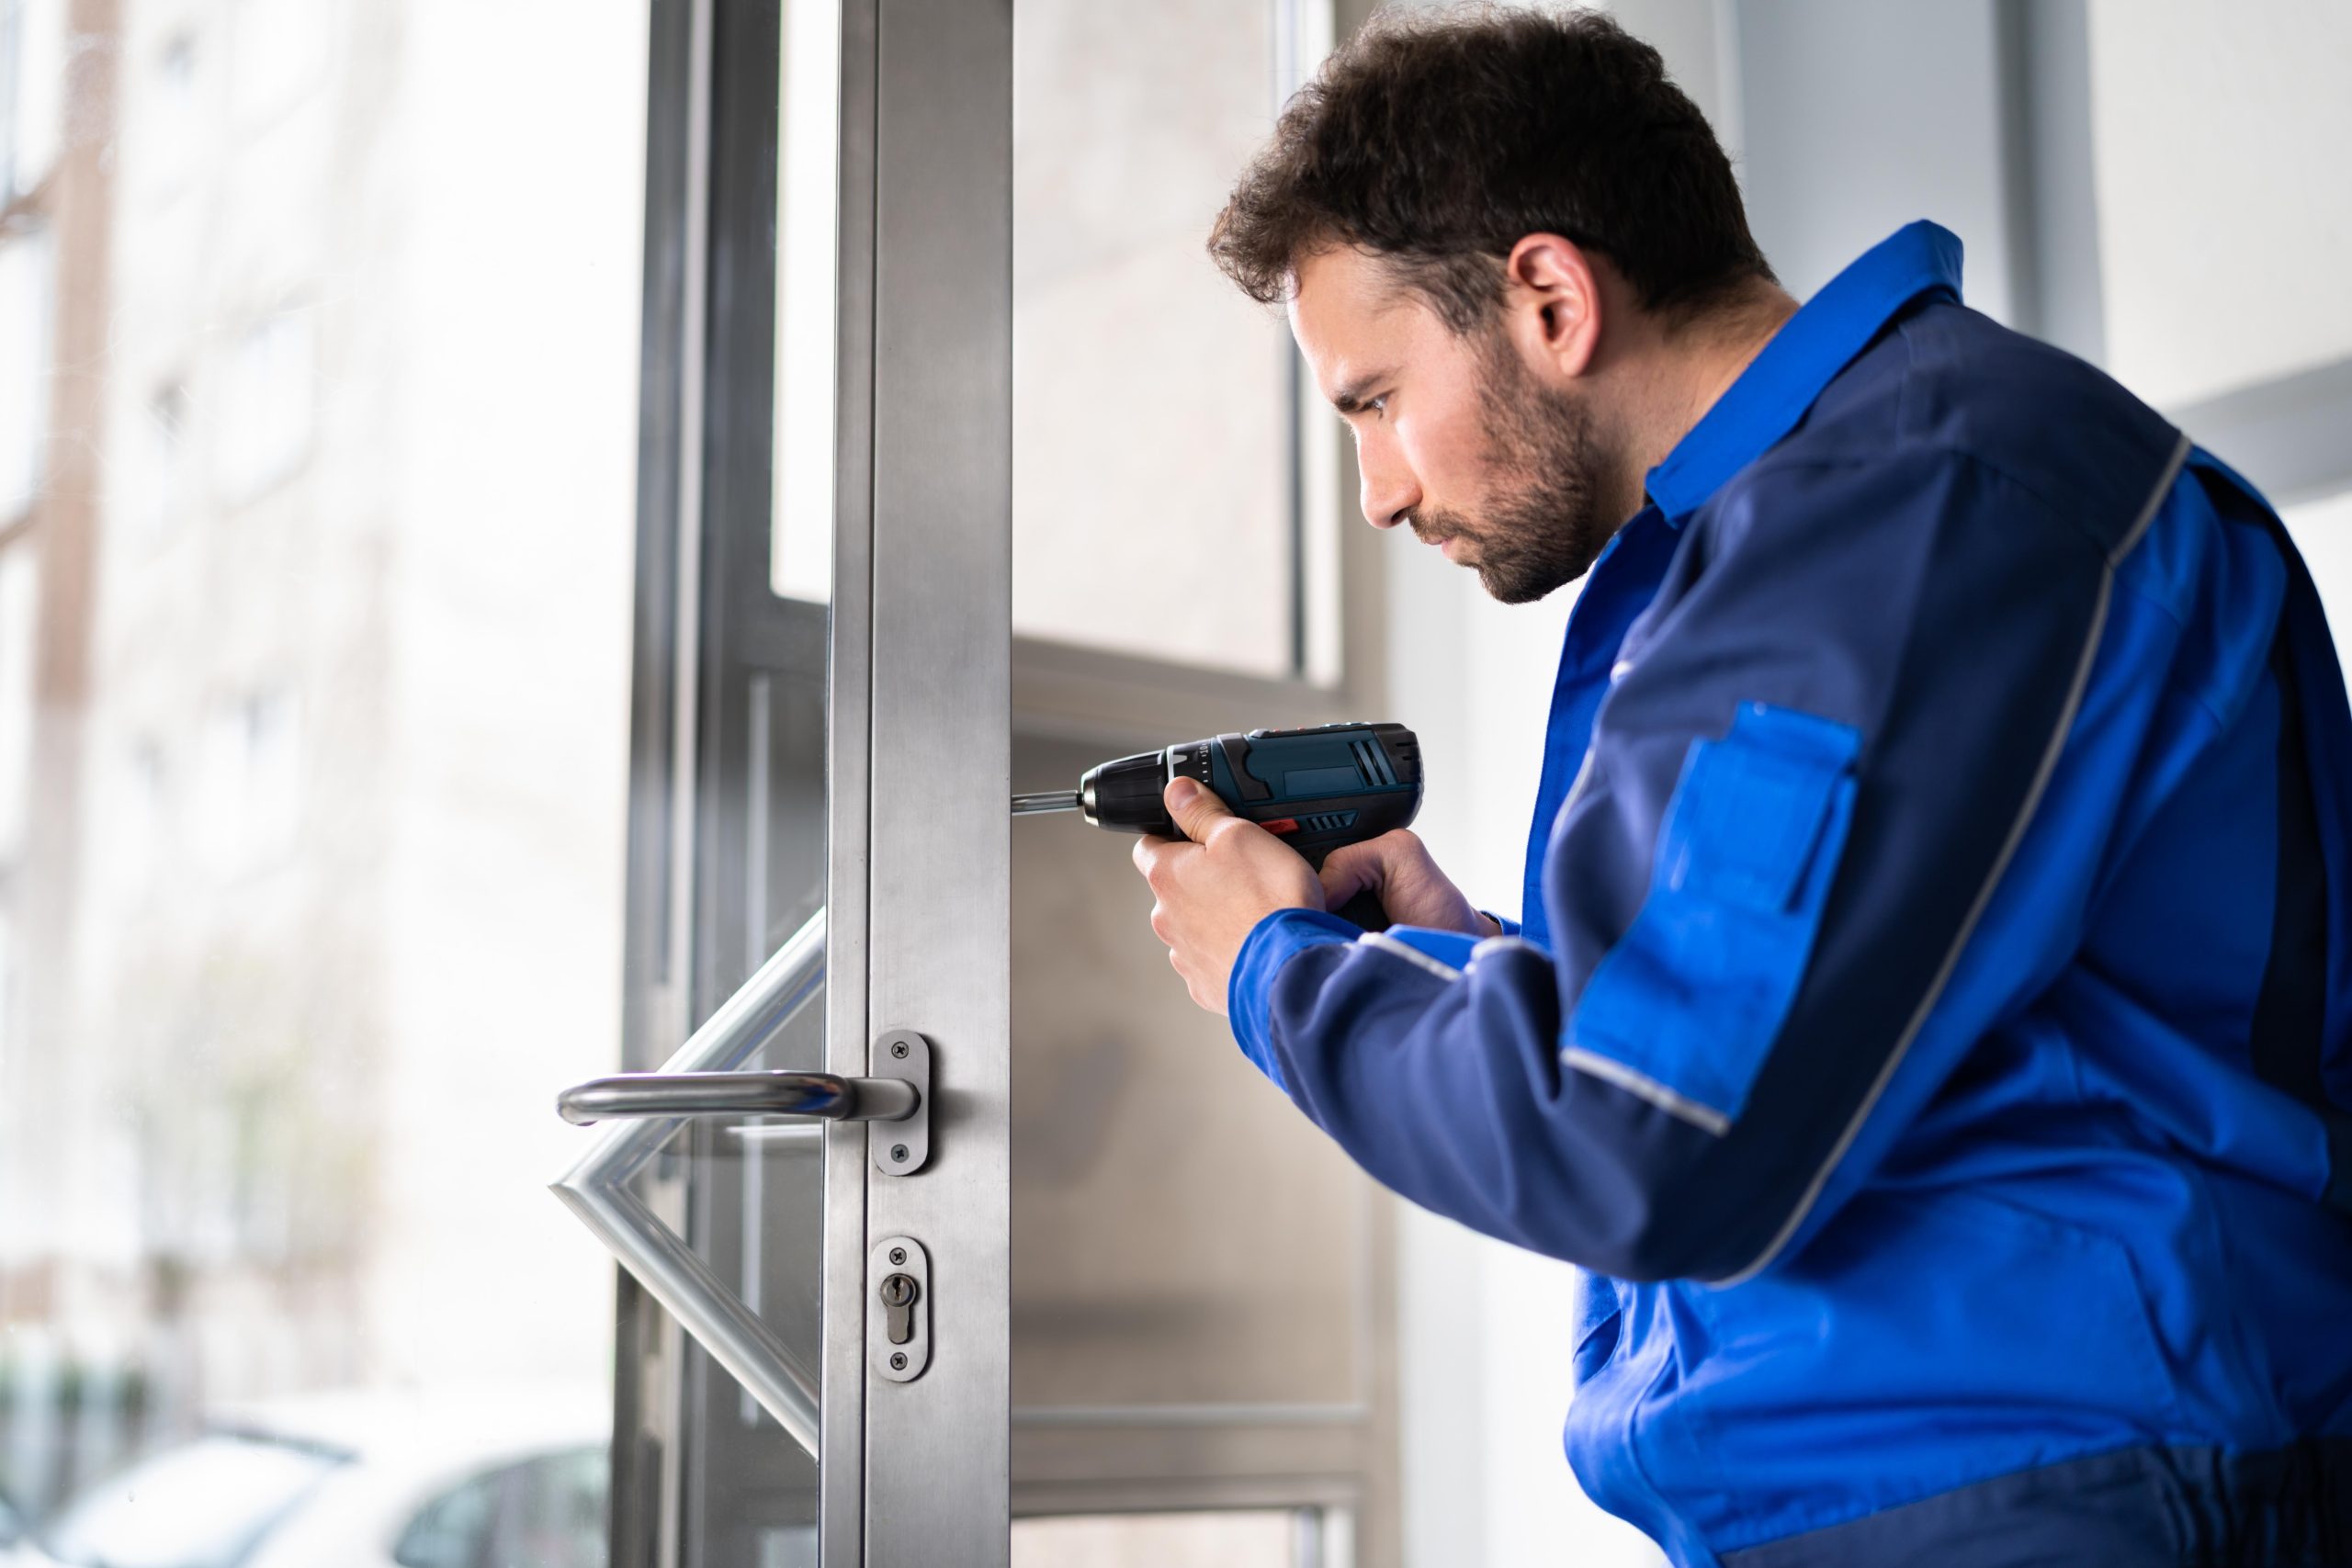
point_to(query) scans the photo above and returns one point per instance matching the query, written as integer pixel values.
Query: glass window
(267, 426)
(10, 990)
(1170, 494)
(164, 436)
(25, 310)
(173, 123)
(249, 782)
(808, 216)
(136, 848)
(2224, 256)
(32, 90)
(19, 630)
(279, 53)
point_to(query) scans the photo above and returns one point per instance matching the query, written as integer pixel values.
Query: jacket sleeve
(1824, 742)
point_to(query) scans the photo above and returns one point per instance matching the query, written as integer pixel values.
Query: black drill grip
(1364, 910)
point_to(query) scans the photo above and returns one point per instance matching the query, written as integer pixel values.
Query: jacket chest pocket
(1684, 1008)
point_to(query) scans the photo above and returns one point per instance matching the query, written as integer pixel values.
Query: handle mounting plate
(901, 1147)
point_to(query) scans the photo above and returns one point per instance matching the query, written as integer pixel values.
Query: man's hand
(1213, 890)
(1397, 868)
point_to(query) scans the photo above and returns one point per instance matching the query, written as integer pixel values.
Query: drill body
(1316, 788)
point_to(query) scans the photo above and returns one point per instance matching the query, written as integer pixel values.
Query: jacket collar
(1774, 393)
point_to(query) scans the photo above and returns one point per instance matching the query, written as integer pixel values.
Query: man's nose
(1388, 492)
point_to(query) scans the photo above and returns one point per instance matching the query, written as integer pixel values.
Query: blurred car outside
(511, 1479)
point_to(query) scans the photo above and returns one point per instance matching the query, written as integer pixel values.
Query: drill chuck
(1124, 794)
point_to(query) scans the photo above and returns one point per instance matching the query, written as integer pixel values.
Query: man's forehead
(1343, 283)
(1349, 314)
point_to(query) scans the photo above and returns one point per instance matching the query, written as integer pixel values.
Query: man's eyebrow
(1356, 393)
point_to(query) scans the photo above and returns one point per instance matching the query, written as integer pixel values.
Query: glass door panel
(315, 512)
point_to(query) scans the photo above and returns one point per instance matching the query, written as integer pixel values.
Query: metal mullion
(650, 1346)
(840, 1471)
(738, 337)
(658, 614)
(779, 634)
(2049, 175)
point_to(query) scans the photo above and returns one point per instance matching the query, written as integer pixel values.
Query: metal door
(806, 1179)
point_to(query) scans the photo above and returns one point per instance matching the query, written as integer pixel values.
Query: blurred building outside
(315, 458)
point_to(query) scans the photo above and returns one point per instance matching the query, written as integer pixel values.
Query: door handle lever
(825, 1096)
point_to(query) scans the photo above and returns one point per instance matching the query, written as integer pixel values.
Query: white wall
(1859, 117)
(1483, 1328)
(2225, 214)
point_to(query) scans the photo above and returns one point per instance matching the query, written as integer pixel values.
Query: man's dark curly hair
(1438, 141)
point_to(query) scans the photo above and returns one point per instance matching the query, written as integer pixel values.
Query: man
(1926, 1023)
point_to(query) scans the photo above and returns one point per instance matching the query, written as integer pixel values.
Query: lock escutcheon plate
(898, 1259)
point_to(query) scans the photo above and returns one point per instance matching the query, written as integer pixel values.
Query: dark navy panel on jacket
(1931, 1025)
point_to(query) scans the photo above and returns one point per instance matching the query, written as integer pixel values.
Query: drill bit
(1053, 800)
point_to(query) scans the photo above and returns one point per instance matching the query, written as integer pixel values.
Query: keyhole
(899, 1294)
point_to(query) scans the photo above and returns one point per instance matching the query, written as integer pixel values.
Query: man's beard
(1541, 527)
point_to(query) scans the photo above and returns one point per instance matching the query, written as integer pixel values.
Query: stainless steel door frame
(913, 657)
(922, 757)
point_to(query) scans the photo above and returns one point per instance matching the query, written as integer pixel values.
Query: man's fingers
(1350, 870)
(1151, 852)
(1207, 900)
(1195, 807)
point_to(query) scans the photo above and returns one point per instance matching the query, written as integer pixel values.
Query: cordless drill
(1317, 789)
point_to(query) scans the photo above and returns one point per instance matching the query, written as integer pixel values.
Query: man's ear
(1552, 300)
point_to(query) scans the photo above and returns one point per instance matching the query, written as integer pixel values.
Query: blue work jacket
(1926, 1026)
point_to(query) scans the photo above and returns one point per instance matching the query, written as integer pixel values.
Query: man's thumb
(1195, 807)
